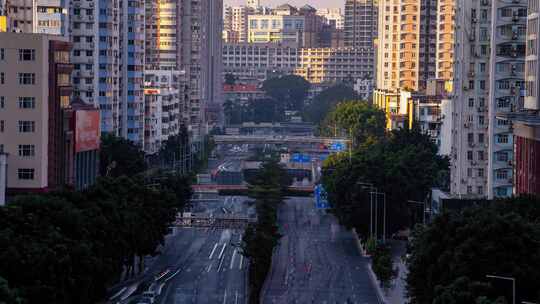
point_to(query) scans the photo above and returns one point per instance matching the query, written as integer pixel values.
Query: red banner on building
(87, 133)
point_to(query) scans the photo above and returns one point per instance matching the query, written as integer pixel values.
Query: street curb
(374, 281)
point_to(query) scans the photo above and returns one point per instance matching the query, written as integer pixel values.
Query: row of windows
(24, 78)
(24, 54)
(25, 126)
(23, 102)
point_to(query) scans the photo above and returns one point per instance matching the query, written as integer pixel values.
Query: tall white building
(507, 90)
(468, 157)
(488, 82)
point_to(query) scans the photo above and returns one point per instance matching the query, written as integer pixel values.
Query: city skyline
(272, 3)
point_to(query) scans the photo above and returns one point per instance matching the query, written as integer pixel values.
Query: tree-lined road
(316, 261)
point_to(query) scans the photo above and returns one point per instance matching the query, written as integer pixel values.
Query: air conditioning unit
(91, 4)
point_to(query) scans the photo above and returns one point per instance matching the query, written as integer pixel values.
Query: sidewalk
(396, 294)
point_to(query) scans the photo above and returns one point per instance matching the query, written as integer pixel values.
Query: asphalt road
(212, 272)
(316, 260)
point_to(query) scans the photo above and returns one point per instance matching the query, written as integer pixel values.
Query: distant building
(242, 92)
(276, 29)
(235, 23)
(47, 149)
(316, 65)
(36, 16)
(332, 16)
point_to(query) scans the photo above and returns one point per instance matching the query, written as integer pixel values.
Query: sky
(314, 3)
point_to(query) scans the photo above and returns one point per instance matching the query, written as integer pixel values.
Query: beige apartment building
(406, 52)
(445, 39)
(235, 23)
(35, 85)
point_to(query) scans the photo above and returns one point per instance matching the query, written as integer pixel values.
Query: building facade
(276, 28)
(332, 16)
(235, 23)
(37, 16)
(445, 39)
(406, 50)
(316, 65)
(35, 87)
(470, 102)
(527, 125)
(507, 90)
(360, 23)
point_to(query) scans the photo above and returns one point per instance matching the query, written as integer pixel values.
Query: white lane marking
(222, 249)
(209, 267)
(241, 260)
(220, 263)
(236, 297)
(232, 259)
(212, 253)
(225, 297)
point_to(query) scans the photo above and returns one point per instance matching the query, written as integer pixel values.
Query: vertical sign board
(87, 133)
(321, 198)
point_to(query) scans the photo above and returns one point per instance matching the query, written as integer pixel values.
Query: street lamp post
(508, 279)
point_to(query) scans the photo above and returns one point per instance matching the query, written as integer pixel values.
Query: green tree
(357, 120)
(289, 91)
(8, 295)
(403, 165)
(452, 256)
(383, 266)
(326, 101)
(119, 156)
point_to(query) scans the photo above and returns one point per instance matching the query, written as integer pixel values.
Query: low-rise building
(316, 65)
(242, 92)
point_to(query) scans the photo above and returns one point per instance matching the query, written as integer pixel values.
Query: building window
(1, 126)
(501, 191)
(27, 78)
(480, 190)
(61, 57)
(469, 189)
(2, 102)
(26, 174)
(2, 78)
(26, 126)
(2, 54)
(502, 139)
(481, 172)
(27, 150)
(470, 155)
(27, 102)
(480, 155)
(501, 174)
(27, 55)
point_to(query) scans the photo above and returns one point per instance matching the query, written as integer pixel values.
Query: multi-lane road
(316, 261)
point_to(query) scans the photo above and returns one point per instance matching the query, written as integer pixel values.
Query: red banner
(87, 134)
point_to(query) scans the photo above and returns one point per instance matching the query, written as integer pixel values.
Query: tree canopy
(119, 156)
(289, 91)
(67, 247)
(326, 101)
(451, 257)
(267, 188)
(356, 119)
(403, 165)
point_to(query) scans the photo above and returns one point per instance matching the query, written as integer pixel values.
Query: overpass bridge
(214, 188)
(220, 221)
(279, 139)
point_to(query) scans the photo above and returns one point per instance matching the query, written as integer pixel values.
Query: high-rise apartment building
(507, 89)
(200, 56)
(36, 16)
(470, 142)
(108, 55)
(407, 44)
(445, 39)
(360, 23)
(235, 23)
(488, 86)
(527, 125)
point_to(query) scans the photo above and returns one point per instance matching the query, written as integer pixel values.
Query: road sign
(321, 198)
(300, 158)
(337, 146)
